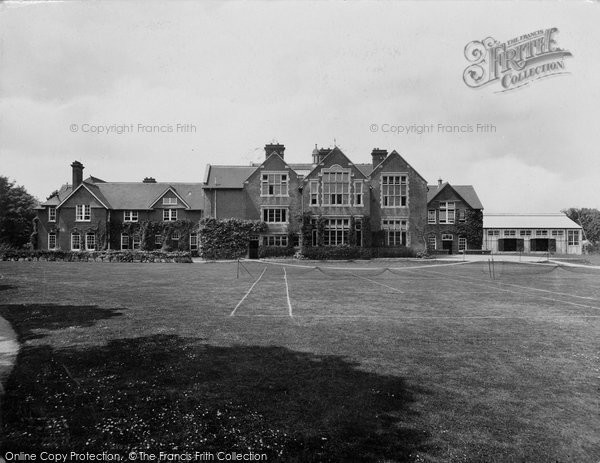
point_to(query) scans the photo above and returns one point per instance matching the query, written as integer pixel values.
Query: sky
(237, 75)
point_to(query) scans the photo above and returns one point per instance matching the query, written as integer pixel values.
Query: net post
(238, 268)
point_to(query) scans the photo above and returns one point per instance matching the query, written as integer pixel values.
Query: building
(449, 209)
(554, 233)
(332, 191)
(92, 214)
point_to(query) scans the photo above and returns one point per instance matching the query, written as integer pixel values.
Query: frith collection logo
(516, 62)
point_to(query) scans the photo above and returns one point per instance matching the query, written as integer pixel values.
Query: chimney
(149, 180)
(440, 183)
(77, 173)
(315, 155)
(274, 147)
(378, 156)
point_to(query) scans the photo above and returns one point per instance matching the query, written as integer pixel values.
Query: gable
(170, 199)
(83, 195)
(447, 192)
(395, 163)
(335, 158)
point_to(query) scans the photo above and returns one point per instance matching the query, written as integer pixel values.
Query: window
(136, 242)
(170, 201)
(275, 240)
(358, 231)
(82, 213)
(525, 233)
(541, 233)
(447, 212)
(52, 214)
(274, 184)
(462, 244)
(158, 240)
(193, 242)
(175, 236)
(493, 232)
(431, 216)
(336, 187)
(51, 240)
(169, 215)
(462, 215)
(573, 237)
(275, 215)
(432, 242)
(395, 232)
(314, 192)
(90, 241)
(130, 216)
(336, 232)
(393, 191)
(558, 232)
(75, 242)
(124, 241)
(510, 233)
(358, 193)
(447, 237)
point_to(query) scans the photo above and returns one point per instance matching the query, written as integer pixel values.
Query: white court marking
(287, 293)
(417, 317)
(377, 283)
(248, 292)
(356, 269)
(476, 281)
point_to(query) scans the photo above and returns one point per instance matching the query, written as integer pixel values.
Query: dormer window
(169, 201)
(82, 213)
(52, 214)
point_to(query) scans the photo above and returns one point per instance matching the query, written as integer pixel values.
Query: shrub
(103, 256)
(346, 252)
(275, 251)
(227, 238)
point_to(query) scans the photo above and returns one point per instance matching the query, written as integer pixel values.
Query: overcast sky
(247, 73)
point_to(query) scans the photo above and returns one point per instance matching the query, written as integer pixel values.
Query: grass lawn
(345, 362)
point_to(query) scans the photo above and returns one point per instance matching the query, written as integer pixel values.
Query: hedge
(96, 256)
(346, 252)
(275, 251)
(227, 238)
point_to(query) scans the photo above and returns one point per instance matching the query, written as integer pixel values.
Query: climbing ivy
(227, 238)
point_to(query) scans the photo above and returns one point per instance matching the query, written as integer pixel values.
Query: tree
(589, 219)
(16, 213)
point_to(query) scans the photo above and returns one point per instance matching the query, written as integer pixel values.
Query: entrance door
(253, 248)
(447, 240)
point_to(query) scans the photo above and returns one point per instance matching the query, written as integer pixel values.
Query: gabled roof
(393, 154)
(227, 176)
(528, 221)
(140, 196)
(92, 190)
(172, 190)
(466, 192)
(133, 195)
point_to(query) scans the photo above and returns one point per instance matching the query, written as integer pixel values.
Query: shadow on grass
(26, 318)
(166, 392)
(6, 287)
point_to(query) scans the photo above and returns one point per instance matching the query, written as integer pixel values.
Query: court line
(287, 292)
(377, 283)
(248, 292)
(432, 317)
(313, 267)
(517, 293)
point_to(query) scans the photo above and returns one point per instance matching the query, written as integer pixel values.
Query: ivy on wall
(147, 231)
(472, 228)
(227, 238)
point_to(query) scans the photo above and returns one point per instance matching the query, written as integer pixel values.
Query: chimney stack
(440, 183)
(274, 147)
(77, 173)
(378, 156)
(149, 180)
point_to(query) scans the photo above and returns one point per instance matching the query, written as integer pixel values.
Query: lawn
(379, 361)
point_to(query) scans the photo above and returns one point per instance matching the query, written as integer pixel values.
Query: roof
(227, 176)
(466, 192)
(134, 195)
(528, 221)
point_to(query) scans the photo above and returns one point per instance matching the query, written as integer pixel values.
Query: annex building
(554, 233)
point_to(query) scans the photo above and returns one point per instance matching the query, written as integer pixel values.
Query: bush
(275, 251)
(227, 238)
(96, 256)
(345, 252)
